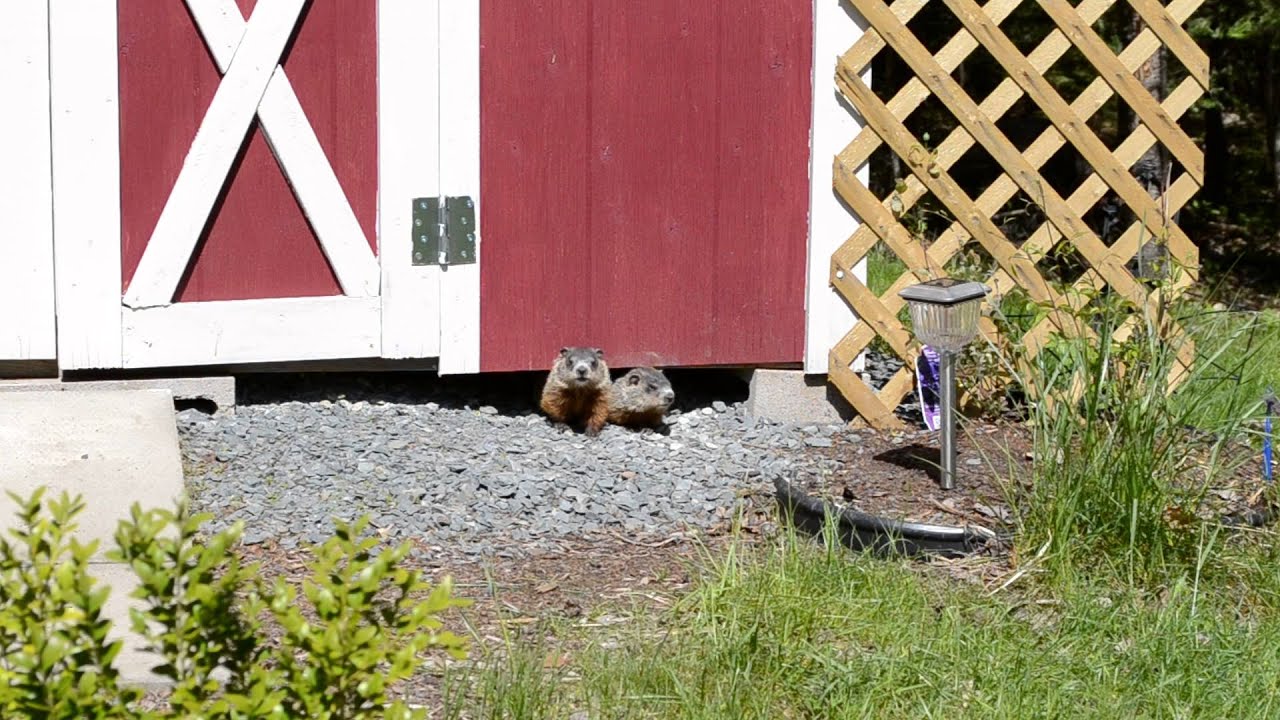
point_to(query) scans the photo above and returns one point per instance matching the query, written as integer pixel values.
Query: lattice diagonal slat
(929, 171)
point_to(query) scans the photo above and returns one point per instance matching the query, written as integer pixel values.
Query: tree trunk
(1271, 108)
(1152, 169)
(1216, 158)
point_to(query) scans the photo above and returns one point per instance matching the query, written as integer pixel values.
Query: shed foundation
(791, 396)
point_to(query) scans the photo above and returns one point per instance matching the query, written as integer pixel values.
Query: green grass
(883, 268)
(1241, 354)
(793, 631)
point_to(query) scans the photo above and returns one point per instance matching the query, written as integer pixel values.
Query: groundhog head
(581, 365)
(650, 383)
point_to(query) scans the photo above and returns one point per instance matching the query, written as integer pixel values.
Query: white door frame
(426, 76)
(459, 36)
(389, 308)
(83, 73)
(26, 205)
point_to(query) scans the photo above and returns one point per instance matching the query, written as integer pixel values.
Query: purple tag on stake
(927, 387)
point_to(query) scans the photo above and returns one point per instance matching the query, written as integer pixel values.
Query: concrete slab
(111, 447)
(220, 391)
(791, 396)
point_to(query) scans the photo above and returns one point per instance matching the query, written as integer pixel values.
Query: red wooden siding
(644, 175)
(259, 244)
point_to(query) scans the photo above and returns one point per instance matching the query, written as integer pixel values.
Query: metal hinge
(444, 231)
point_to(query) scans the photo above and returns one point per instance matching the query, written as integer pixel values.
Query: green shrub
(55, 660)
(366, 623)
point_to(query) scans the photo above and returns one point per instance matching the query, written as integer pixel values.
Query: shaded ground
(1241, 266)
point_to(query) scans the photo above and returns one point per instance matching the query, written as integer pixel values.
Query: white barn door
(381, 302)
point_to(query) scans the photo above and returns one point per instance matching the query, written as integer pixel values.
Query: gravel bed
(453, 466)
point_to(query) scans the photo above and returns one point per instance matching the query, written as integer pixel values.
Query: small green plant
(366, 623)
(55, 659)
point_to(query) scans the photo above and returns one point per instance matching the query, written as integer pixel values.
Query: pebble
(476, 479)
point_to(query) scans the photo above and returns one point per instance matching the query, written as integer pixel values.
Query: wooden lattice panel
(929, 172)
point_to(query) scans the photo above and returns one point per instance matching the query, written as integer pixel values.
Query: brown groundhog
(640, 398)
(577, 389)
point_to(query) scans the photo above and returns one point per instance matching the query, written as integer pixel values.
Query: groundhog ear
(633, 379)
(599, 352)
(564, 351)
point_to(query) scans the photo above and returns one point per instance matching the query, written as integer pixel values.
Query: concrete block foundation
(791, 396)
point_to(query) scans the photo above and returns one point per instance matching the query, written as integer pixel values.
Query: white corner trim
(252, 331)
(408, 168)
(85, 125)
(460, 176)
(827, 316)
(26, 179)
(212, 153)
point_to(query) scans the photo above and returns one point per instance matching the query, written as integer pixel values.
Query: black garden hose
(861, 531)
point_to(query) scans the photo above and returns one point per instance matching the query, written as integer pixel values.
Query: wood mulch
(897, 475)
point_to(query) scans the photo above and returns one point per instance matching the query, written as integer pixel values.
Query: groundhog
(640, 398)
(577, 389)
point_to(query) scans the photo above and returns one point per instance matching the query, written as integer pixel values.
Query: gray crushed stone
(479, 475)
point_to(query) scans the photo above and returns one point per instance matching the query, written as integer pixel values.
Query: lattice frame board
(929, 173)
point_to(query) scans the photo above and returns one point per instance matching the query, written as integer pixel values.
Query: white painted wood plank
(296, 147)
(84, 78)
(26, 178)
(212, 152)
(460, 176)
(827, 316)
(251, 331)
(408, 168)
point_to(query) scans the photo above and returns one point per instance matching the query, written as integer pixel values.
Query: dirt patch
(530, 601)
(897, 475)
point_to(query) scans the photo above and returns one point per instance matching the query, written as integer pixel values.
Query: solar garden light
(944, 315)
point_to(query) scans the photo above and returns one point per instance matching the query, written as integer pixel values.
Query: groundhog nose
(669, 395)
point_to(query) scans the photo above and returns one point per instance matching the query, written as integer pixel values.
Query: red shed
(477, 183)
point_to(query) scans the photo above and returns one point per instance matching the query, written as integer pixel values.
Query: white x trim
(248, 55)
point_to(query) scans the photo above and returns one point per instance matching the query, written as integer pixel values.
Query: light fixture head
(944, 312)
